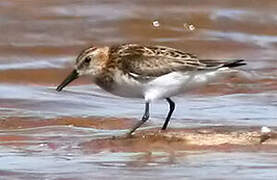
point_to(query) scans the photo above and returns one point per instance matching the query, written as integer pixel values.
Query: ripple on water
(22, 101)
(50, 135)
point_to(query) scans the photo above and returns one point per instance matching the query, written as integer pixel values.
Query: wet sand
(215, 132)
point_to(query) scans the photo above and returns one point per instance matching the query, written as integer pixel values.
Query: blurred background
(42, 130)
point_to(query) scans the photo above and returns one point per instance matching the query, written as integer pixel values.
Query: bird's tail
(215, 64)
(234, 63)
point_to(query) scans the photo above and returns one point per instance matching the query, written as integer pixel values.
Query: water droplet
(156, 23)
(265, 129)
(189, 27)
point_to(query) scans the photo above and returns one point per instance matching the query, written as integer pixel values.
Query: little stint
(148, 72)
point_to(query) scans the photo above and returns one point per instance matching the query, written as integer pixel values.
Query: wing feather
(154, 61)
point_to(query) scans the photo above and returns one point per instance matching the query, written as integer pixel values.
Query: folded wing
(154, 61)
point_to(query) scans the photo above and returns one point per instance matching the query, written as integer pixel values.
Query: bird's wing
(154, 61)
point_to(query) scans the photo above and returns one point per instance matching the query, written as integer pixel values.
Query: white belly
(167, 85)
(127, 87)
(176, 83)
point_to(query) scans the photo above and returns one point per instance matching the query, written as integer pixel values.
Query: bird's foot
(162, 130)
(130, 134)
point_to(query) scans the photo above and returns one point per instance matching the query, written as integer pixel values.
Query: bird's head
(89, 62)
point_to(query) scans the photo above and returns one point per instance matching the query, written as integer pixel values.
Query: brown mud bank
(211, 138)
(220, 138)
(16, 123)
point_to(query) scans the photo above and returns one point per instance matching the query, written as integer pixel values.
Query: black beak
(74, 75)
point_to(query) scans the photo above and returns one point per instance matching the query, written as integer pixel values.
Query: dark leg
(145, 117)
(171, 109)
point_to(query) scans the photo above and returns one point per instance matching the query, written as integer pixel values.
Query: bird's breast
(121, 84)
(105, 81)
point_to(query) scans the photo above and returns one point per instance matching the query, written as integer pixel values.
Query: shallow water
(43, 133)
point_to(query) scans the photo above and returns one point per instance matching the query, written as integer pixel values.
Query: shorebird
(148, 72)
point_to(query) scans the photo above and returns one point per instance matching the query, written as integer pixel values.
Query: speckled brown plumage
(155, 61)
(149, 72)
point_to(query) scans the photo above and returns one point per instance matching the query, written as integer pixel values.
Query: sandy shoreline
(212, 138)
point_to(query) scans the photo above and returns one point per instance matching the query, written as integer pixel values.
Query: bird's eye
(87, 60)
